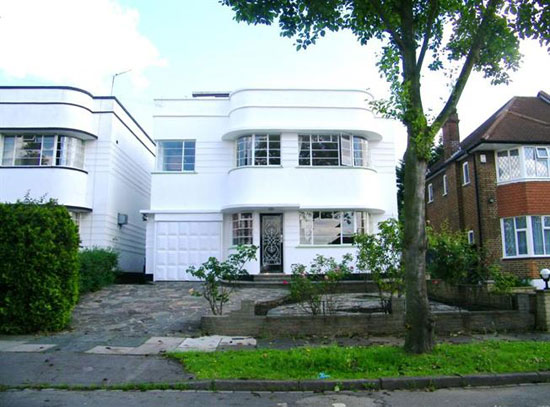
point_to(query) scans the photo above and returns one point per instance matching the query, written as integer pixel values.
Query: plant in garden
(98, 268)
(38, 266)
(213, 271)
(453, 37)
(380, 255)
(314, 289)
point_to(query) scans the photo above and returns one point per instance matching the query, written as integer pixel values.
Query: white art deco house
(85, 151)
(296, 172)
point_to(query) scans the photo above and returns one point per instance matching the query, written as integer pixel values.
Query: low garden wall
(246, 322)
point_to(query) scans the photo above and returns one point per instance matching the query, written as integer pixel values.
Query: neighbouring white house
(87, 152)
(296, 172)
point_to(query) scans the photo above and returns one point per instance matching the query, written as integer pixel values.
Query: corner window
(331, 227)
(333, 150)
(42, 150)
(242, 228)
(430, 193)
(536, 162)
(526, 236)
(259, 149)
(471, 238)
(176, 155)
(444, 185)
(465, 173)
(523, 163)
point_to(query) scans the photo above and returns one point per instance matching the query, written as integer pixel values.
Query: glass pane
(542, 152)
(306, 225)
(345, 147)
(530, 167)
(514, 168)
(546, 241)
(244, 151)
(522, 242)
(542, 168)
(324, 150)
(503, 165)
(547, 221)
(304, 144)
(537, 234)
(360, 152)
(521, 222)
(7, 153)
(326, 228)
(348, 227)
(509, 237)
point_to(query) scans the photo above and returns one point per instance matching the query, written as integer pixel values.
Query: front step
(271, 277)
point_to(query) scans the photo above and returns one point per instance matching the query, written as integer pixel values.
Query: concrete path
(514, 396)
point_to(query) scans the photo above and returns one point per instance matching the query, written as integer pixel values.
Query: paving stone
(202, 344)
(111, 350)
(237, 341)
(6, 345)
(30, 347)
(156, 345)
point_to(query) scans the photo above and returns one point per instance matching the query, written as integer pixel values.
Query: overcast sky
(174, 47)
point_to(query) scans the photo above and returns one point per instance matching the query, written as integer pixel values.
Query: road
(513, 396)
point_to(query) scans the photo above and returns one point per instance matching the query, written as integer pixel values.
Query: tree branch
(391, 30)
(434, 7)
(471, 59)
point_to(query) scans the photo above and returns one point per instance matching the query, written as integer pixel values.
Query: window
(526, 235)
(471, 238)
(259, 149)
(430, 193)
(176, 155)
(444, 185)
(331, 227)
(465, 173)
(43, 150)
(242, 228)
(508, 165)
(523, 162)
(334, 149)
(536, 162)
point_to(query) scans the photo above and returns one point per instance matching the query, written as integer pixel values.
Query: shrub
(213, 271)
(381, 255)
(38, 266)
(314, 290)
(98, 268)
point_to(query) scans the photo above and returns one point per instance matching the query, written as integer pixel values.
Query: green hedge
(38, 266)
(98, 268)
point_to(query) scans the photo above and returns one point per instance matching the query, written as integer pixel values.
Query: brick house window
(465, 173)
(430, 193)
(471, 238)
(444, 185)
(526, 236)
(523, 163)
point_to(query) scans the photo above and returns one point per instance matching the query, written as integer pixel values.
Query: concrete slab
(6, 345)
(237, 341)
(156, 345)
(110, 350)
(202, 344)
(30, 347)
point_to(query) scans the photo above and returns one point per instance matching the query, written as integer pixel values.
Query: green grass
(367, 362)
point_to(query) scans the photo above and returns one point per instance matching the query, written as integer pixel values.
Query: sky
(175, 47)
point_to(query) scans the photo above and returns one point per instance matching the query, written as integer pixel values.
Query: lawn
(367, 362)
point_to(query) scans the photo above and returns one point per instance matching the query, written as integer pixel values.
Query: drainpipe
(477, 204)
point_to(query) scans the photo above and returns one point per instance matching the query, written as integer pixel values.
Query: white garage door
(179, 245)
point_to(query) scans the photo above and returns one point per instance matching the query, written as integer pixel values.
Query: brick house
(495, 185)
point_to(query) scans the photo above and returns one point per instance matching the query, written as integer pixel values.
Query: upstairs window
(259, 149)
(42, 150)
(242, 228)
(445, 185)
(430, 193)
(536, 162)
(465, 173)
(523, 163)
(333, 150)
(508, 164)
(331, 227)
(176, 155)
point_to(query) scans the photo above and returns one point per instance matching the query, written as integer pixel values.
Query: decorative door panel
(271, 243)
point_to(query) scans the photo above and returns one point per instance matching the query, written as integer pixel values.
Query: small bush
(98, 268)
(38, 266)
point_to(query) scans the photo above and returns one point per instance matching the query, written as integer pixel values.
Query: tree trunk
(418, 321)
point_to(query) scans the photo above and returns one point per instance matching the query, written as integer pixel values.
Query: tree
(452, 36)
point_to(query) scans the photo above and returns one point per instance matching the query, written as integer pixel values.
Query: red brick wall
(524, 198)
(444, 208)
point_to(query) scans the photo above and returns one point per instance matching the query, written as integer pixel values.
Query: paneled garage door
(179, 245)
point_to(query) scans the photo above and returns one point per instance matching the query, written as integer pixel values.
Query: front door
(271, 243)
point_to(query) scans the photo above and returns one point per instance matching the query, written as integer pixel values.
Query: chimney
(450, 137)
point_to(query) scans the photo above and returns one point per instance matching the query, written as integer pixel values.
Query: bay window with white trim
(332, 227)
(338, 150)
(523, 163)
(526, 236)
(258, 150)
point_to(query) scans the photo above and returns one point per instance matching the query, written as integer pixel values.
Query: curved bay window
(259, 149)
(43, 150)
(342, 150)
(332, 227)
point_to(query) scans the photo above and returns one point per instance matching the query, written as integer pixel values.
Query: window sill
(255, 166)
(324, 246)
(527, 257)
(466, 184)
(174, 172)
(334, 167)
(431, 201)
(516, 180)
(28, 167)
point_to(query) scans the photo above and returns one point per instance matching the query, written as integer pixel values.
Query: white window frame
(365, 219)
(430, 193)
(471, 237)
(352, 150)
(445, 191)
(158, 166)
(529, 237)
(465, 173)
(237, 220)
(523, 165)
(253, 151)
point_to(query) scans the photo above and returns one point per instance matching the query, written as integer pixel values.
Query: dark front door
(271, 243)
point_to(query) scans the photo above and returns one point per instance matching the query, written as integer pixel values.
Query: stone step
(272, 277)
